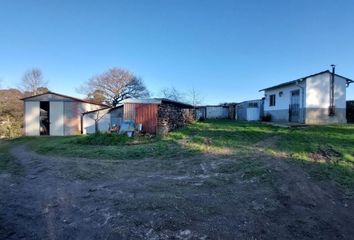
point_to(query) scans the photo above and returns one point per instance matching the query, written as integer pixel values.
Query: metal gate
(294, 107)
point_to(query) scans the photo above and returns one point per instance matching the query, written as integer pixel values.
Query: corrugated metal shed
(62, 115)
(144, 113)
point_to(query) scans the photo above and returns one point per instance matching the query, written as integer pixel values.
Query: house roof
(301, 79)
(220, 105)
(96, 110)
(65, 96)
(247, 101)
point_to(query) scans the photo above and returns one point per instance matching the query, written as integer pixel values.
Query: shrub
(10, 127)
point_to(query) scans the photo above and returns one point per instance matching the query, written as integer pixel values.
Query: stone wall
(171, 116)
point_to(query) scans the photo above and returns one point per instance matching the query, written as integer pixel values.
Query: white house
(316, 99)
(55, 114)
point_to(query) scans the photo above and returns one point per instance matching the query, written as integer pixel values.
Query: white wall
(318, 91)
(104, 123)
(56, 118)
(253, 114)
(217, 112)
(247, 112)
(282, 102)
(88, 124)
(89, 121)
(32, 118)
(87, 107)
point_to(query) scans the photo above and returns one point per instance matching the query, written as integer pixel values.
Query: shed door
(56, 116)
(294, 108)
(146, 114)
(31, 118)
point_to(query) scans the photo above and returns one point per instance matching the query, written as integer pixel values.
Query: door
(56, 116)
(294, 107)
(146, 114)
(32, 118)
(44, 118)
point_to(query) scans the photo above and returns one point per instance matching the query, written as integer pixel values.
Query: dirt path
(253, 197)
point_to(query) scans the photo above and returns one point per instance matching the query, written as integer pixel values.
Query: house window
(272, 100)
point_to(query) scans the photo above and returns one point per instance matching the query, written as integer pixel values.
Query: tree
(96, 97)
(33, 82)
(114, 86)
(11, 112)
(172, 94)
(194, 97)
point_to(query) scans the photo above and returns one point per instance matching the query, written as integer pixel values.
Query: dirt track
(197, 198)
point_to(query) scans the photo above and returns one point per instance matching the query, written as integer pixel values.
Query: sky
(226, 50)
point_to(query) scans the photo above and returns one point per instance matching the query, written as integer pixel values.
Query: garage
(55, 114)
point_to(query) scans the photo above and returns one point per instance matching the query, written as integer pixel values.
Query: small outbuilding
(55, 114)
(249, 110)
(155, 115)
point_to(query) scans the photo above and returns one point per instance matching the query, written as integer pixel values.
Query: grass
(120, 148)
(7, 161)
(102, 139)
(219, 137)
(326, 151)
(337, 138)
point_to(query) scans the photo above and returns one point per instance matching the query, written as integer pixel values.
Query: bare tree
(194, 97)
(172, 94)
(33, 82)
(115, 85)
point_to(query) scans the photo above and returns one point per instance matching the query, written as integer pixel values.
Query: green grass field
(327, 150)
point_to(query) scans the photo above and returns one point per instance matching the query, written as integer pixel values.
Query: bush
(103, 139)
(267, 118)
(10, 127)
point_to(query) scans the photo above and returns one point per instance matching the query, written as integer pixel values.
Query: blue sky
(227, 50)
